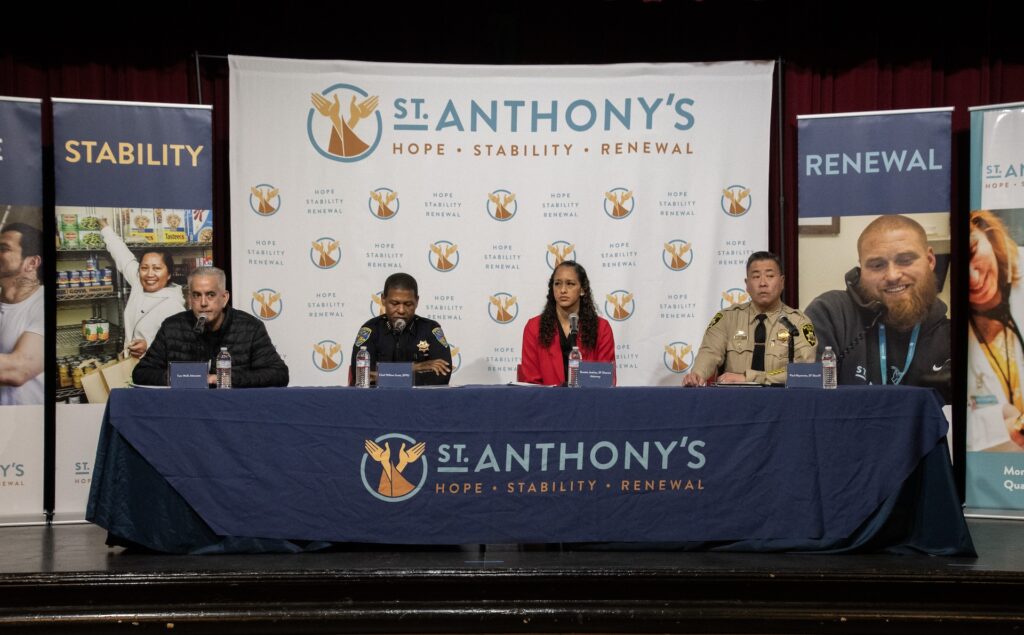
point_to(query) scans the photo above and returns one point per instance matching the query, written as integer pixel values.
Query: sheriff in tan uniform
(730, 345)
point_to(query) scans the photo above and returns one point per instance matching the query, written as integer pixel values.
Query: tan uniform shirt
(729, 341)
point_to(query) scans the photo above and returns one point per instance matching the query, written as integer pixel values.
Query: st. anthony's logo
(502, 205)
(393, 474)
(344, 123)
(678, 357)
(266, 304)
(619, 202)
(444, 255)
(325, 252)
(264, 199)
(456, 352)
(677, 254)
(560, 251)
(376, 305)
(734, 296)
(736, 200)
(327, 355)
(619, 305)
(503, 308)
(383, 203)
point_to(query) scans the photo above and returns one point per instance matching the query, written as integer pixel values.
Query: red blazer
(544, 365)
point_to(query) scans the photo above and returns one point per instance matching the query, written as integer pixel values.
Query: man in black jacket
(888, 326)
(199, 334)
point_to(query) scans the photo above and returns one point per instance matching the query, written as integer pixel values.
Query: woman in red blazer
(546, 342)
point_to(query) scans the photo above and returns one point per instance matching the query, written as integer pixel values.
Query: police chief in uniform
(402, 336)
(754, 341)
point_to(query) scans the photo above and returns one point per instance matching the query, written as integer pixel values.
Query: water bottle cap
(223, 348)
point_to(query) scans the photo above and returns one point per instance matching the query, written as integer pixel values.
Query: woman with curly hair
(547, 340)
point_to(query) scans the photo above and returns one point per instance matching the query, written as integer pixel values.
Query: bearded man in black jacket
(888, 326)
(199, 334)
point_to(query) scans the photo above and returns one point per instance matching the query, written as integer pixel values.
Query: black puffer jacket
(254, 360)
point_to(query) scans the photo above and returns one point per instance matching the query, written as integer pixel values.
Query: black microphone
(398, 326)
(793, 333)
(397, 355)
(574, 327)
(200, 325)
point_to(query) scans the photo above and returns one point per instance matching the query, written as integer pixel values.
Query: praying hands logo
(376, 305)
(735, 195)
(502, 205)
(446, 255)
(383, 197)
(344, 144)
(325, 252)
(327, 355)
(267, 199)
(622, 303)
(621, 202)
(560, 251)
(504, 304)
(677, 255)
(393, 484)
(734, 296)
(266, 299)
(678, 357)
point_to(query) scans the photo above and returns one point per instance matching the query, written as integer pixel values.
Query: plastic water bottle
(828, 368)
(363, 368)
(574, 367)
(223, 368)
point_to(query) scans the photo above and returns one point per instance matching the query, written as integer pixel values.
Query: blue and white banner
(22, 319)
(21, 153)
(119, 154)
(129, 177)
(478, 180)
(854, 167)
(995, 351)
(874, 163)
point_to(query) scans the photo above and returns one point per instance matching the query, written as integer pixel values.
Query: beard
(903, 312)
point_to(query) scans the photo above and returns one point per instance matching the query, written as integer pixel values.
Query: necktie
(760, 335)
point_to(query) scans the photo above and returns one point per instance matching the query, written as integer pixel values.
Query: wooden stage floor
(64, 579)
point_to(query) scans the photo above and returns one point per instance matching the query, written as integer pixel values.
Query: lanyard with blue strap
(910, 353)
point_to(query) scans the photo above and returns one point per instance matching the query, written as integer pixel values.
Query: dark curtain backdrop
(835, 57)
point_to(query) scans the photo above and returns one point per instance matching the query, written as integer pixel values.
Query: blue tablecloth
(741, 468)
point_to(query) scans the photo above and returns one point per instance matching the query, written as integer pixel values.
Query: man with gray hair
(199, 333)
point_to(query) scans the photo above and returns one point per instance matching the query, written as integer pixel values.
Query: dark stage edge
(64, 579)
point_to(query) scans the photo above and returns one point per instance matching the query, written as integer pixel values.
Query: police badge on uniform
(422, 346)
(363, 335)
(439, 334)
(809, 334)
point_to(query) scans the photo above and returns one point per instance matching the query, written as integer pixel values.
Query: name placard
(597, 374)
(189, 375)
(394, 375)
(803, 375)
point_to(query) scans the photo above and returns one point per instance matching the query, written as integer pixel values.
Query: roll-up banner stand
(874, 243)
(23, 297)
(995, 351)
(131, 179)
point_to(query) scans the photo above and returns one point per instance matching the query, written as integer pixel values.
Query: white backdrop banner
(477, 180)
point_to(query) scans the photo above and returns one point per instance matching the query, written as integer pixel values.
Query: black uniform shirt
(420, 341)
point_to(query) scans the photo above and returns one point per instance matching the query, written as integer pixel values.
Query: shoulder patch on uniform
(439, 334)
(808, 330)
(714, 320)
(363, 335)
